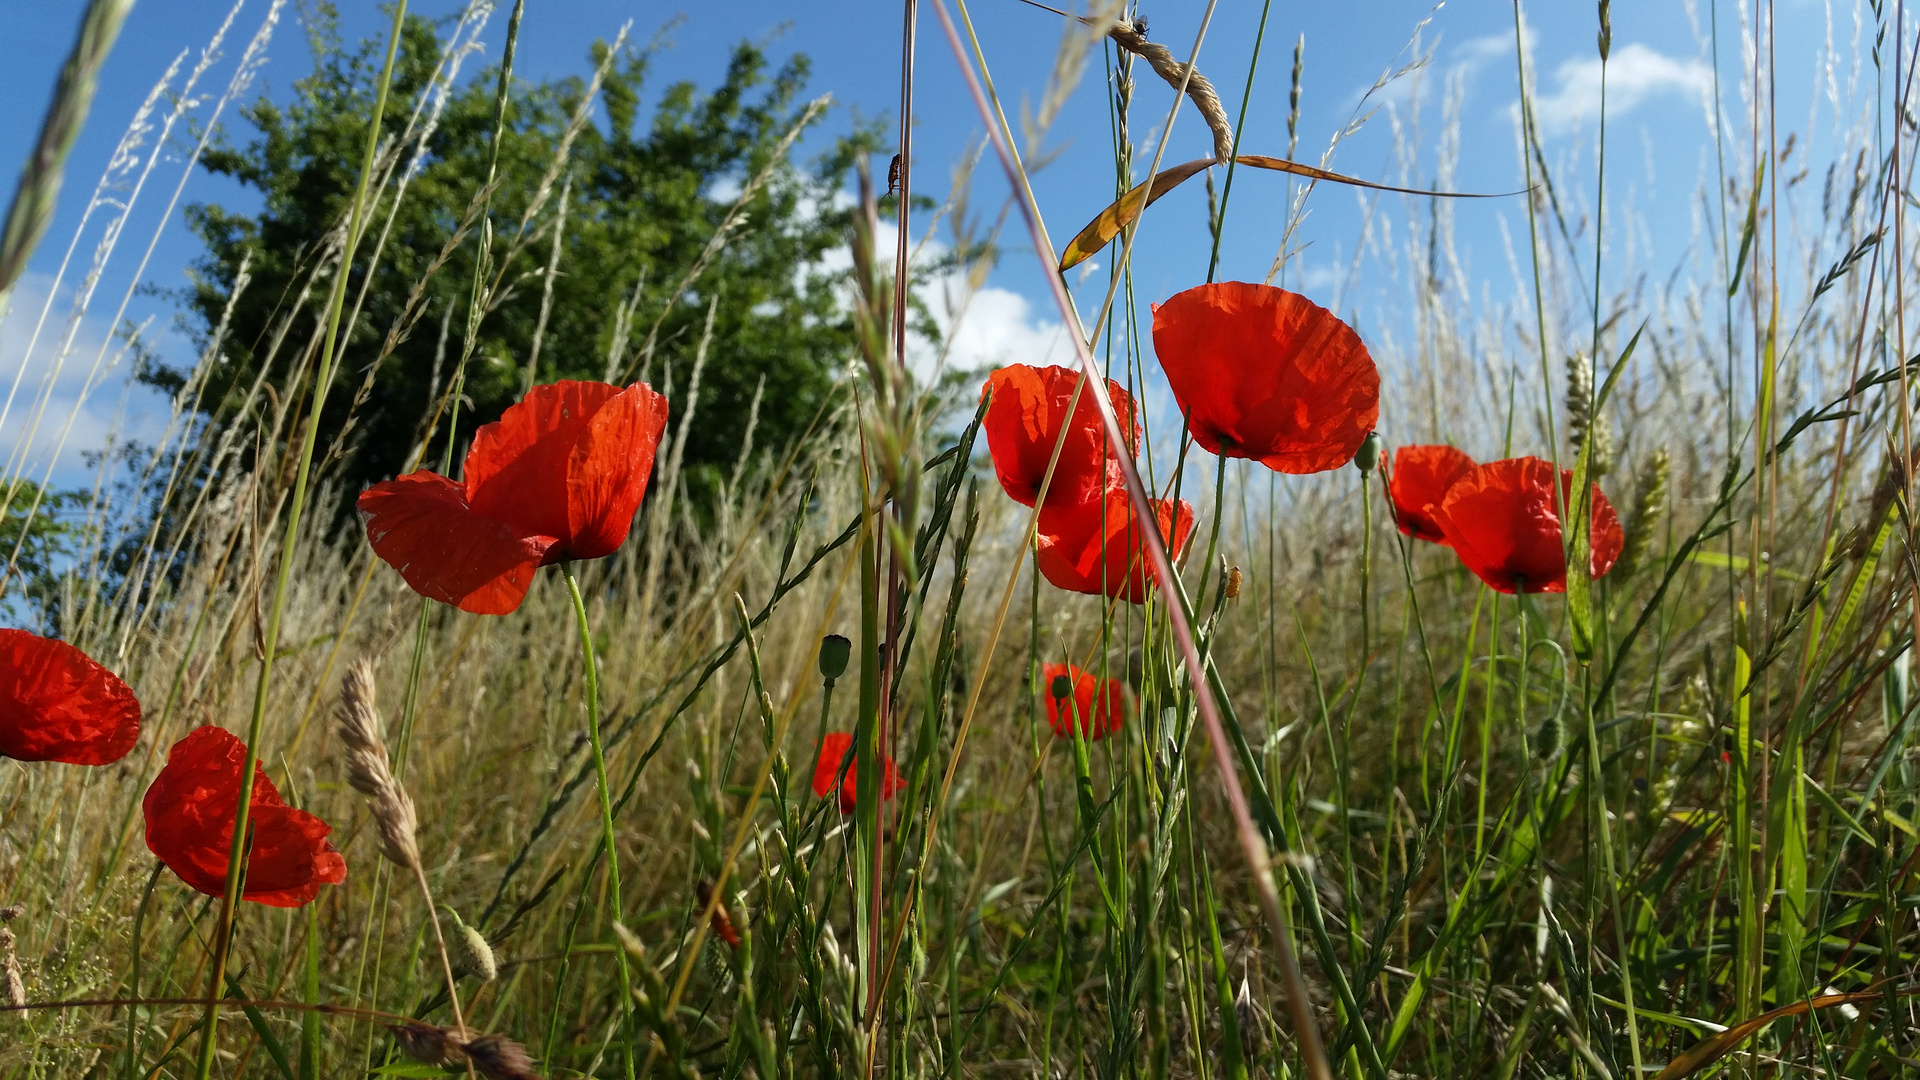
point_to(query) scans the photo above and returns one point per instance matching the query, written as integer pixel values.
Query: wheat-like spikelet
(1583, 422)
(1649, 506)
(368, 770)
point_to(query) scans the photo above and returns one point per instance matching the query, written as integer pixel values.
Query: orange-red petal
(570, 460)
(1028, 407)
(1097, 548)
(57, 704)
(1501, 519)
(1418, 481)
(422, 525)
(836, 750)
(1098, 705)
(1267, 374)
(189, 818)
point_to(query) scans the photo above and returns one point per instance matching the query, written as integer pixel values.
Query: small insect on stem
(893, 175)
(723, 927)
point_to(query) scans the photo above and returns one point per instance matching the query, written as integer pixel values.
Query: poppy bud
(1368, 457)
(1060, 687)
(835, 651)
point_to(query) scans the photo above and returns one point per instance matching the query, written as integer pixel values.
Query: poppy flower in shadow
(836, 750)
(56, 704)
(1501, 519)
(189, 811)
(559, 476)
(1079, 697)
(1097, 547)
(1028, 408)
(1267, 374)
(1418, 482)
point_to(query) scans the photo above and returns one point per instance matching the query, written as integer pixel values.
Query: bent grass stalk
(236, 864)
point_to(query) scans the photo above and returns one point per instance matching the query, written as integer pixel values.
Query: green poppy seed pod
(1368, 457)
(1061, 687)
(835, 651)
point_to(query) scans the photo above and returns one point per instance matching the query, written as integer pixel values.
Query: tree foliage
(646, 195)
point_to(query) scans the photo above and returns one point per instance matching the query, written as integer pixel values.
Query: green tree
(645, 199)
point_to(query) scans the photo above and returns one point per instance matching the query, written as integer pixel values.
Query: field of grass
(1663, 824)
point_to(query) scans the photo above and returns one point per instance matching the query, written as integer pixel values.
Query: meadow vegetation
(1660, 820)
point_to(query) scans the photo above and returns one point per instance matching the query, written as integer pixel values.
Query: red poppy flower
(559, 476)
(836, 749)
(1267, 374)
(189, 811)
(1096, 704)
(56, 704)
(1097, 548)
(1501, 520)
(1023, 420)
(1418, 482)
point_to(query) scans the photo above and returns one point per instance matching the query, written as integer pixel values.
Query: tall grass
(1665, 826)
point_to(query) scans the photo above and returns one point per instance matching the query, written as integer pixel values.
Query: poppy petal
(1097, 548)
(1419, 478)
(1501, 519)
(1097, 708)
(57, 704)
(1267, 374)
(421, 525)
(189, 817)
(608, 471)
(836, 750)
(1023, 420)
(516, 471)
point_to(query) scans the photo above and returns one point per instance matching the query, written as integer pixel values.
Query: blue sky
(1658, 137)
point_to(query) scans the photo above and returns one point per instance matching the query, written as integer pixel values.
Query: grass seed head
(500, 1058)
(425, 1043)
(368, 771)
(473, 956)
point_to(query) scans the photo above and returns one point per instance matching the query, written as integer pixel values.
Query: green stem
(329, 357)
(606, 807)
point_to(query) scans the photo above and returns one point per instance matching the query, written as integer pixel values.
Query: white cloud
(1636, 74)
(991, 328)
(996, 327)
(87, 416)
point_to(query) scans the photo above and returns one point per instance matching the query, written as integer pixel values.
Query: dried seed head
(367, 769)
(1233, 582)
(12, 912)
(424, 1043)
(16, 987)
(472, 955)
(500, 1058)
(16, 991)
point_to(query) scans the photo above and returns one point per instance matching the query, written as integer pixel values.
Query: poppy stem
(606, 807)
